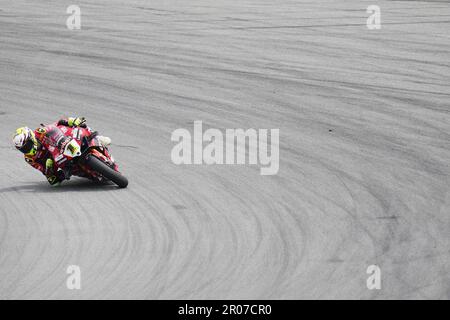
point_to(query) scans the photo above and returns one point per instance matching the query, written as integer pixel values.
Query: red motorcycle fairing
(58, 139)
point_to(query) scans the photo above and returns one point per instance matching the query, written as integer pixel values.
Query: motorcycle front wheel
(107, 172)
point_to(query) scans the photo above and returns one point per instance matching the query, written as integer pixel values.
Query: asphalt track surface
(364, 149)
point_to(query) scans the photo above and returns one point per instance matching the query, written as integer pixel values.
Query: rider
(28, 142)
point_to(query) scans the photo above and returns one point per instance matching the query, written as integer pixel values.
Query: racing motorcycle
(79, 152)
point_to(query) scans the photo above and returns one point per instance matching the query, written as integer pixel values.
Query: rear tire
(102, 168)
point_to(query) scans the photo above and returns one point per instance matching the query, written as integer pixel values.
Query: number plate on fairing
(72, 149)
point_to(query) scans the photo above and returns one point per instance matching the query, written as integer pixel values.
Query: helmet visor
(28, 147)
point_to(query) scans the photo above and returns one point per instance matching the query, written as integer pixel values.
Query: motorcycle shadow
(73, 185)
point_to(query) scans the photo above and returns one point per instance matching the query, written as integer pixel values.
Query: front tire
(102, 168)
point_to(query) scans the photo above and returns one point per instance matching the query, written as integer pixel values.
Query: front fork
(96, 153)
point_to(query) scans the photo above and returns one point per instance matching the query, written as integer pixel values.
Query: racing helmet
(25, 141)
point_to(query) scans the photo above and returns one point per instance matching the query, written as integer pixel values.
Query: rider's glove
(76, 122)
